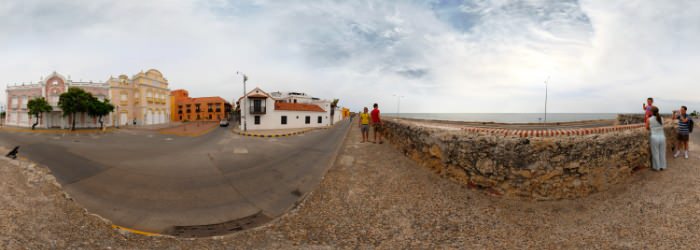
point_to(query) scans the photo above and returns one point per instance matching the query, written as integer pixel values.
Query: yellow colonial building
(143, 99)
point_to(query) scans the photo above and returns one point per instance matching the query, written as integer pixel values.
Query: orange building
(185, 108)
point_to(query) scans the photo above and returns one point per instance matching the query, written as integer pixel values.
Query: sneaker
(686, 154)
(678, 153)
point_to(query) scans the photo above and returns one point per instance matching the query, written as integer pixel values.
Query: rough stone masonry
(539, 167)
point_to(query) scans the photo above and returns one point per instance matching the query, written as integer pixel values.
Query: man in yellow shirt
(364, 125)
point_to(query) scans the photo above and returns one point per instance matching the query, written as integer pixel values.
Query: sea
(508, 117)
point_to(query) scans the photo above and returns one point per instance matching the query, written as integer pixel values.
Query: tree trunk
(35, 122)
(72, 128)
(102, 125)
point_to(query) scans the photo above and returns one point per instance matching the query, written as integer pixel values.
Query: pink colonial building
(51, 87)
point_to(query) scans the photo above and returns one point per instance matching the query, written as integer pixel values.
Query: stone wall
(625, 119)
(543, 165)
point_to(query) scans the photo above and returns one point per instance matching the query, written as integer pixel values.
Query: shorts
(683, 137)
(364, 128)
(377, 127)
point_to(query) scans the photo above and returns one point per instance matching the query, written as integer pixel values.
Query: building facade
(186, 108)
(51, 87)
(142, 99)
(282, 110)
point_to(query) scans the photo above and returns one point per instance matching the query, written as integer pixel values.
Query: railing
(258, 110)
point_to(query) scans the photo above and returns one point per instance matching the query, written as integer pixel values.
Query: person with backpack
(685, 127)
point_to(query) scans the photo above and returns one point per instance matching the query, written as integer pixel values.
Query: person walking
(657, 140)
(685, 125)
(364, 125)
(377, 124)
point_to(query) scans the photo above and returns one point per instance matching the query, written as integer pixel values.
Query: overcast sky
(443, 56)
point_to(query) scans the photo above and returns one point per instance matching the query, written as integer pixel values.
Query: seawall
(539, 164)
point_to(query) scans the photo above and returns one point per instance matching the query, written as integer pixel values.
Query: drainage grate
(220, 228)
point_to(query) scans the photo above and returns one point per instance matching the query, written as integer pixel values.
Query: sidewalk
(152, 127)
(274, 132)
(279, 132)
(57, 130)
(193, 129)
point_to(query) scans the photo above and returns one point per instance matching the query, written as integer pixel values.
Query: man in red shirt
(377, 124)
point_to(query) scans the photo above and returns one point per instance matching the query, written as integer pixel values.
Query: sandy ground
(375, 198)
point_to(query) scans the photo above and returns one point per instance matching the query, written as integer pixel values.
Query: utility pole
(398, 105)
(545, 99)
(242, 104)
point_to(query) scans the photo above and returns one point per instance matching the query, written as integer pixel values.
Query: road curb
(134, 231)
(271, 136)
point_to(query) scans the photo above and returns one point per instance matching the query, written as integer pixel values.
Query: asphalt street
(169, 184)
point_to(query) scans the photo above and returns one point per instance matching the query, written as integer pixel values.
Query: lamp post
(243, 106)
(545, 99)
(398, 105)
(118, 118)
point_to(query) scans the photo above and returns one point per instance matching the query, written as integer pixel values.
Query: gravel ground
(375, 198)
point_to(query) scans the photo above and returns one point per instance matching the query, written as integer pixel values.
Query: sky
(451, 56)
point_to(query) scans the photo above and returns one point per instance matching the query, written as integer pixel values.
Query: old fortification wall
(544, 165)
(626, 119)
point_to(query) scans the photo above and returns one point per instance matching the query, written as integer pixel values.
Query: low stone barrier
(539, 164)
(625, 119)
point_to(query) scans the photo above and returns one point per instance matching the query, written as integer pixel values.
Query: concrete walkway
(161, 184)
(375, 198)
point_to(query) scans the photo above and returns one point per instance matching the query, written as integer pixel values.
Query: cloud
(444, 56)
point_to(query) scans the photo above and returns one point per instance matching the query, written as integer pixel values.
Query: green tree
(74, 101)
(100, 109)
(37, 107)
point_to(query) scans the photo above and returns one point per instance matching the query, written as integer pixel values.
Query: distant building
(283, 110)
(142, 99)
(51, 87)
(139, 100)
(187, 108)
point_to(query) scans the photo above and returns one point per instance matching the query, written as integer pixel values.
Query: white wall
(273, 118)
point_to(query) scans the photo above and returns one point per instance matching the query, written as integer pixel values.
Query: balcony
(257, 110)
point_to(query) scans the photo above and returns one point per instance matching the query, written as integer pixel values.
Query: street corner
(189, 130)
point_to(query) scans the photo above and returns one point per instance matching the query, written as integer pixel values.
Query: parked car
(223, 123)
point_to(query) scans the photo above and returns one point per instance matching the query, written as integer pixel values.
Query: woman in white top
(657, 140)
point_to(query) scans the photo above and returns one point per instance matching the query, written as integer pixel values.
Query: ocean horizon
(507, 117)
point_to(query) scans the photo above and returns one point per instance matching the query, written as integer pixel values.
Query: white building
(50, 88)
(283, 110)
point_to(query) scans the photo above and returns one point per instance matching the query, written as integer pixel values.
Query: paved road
(155, 183)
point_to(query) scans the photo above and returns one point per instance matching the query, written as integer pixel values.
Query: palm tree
(38, 106)
(334, 104)
(74, 101)
(100, 109)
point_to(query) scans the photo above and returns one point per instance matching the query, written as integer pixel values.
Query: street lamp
(398, 105)
(545, 99)
(243, 106)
